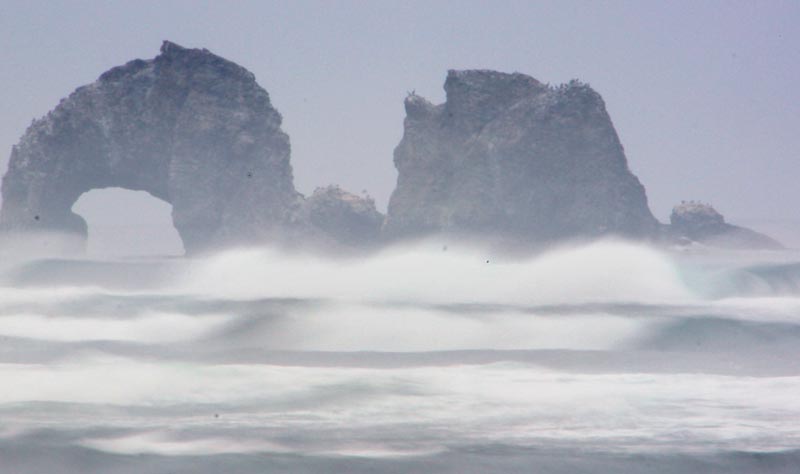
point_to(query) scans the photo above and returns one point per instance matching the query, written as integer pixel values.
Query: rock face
(504, 157)
(698, 222)
(344, 217)
(188, 127)
(508, 156)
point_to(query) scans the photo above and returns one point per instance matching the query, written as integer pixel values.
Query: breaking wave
(256, 360)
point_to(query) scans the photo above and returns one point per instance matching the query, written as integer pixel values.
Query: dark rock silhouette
(698, 222)
(188, 127)
(507, 156)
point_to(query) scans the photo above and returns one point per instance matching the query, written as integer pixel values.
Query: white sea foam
(163, 401)
(424, 406)
(351, 327)
(162, 444)
(45, 295)
(165, 443)
(785, 309)
(599, 272)
(147, 328)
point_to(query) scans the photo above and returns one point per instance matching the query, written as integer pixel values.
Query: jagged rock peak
(475, 97)
(169, 47)
(694, 214)
(418, 106)
(506, 155)
(171, 52)
(488, 81)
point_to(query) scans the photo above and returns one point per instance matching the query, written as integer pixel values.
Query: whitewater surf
(608, 356)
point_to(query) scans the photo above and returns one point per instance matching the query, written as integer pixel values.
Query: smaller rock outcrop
(343, 217)
(698, 222)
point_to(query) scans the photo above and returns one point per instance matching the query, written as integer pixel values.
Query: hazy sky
(704, 95)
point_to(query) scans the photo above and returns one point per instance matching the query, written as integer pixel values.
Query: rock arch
(189, 127)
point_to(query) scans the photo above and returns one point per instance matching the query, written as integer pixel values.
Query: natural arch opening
(125, 223)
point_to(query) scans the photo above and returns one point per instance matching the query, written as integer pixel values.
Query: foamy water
(609, 357)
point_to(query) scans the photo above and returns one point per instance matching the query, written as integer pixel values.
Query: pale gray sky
(704, 95)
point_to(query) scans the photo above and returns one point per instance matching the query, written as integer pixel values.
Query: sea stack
(509, 157)
(188, 126)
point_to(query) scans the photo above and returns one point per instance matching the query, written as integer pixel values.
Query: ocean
(605, 357)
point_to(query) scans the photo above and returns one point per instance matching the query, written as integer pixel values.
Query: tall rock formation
(507, 156)
(189, 127)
